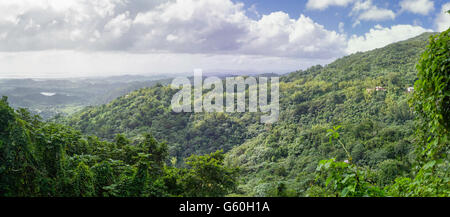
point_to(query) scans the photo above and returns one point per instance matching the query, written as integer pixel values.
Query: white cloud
(380, 36)
(177, 26)
(212, 26)
(323, 4)
(162, 36)
(278, 34)
(119, 25)
(443, 18)
(423, 7)
(53, 24)
(377, 14)
(159, 36)
(365, 10)
(361, 6)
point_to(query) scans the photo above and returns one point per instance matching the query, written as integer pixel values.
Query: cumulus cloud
(119, 25)
(277, 33)
(377, 14)
(443, 18)
(380, 36)
(162, 36)
(213, 26)
(366, 10)
(178, 26)
(323, 4)
(53, 24)
(423, 7)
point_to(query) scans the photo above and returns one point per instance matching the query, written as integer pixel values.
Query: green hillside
(378, 126)
(350, 128)
(43, 159)
(340, 85)
(51, 97)
(148, 110)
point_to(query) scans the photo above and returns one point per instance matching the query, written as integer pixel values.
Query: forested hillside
(345, 129)
(50, 97)
(47, 160)
(320, 95)
(148, 110)
(377, 124)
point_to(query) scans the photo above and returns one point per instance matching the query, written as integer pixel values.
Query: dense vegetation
(47, 159)
(148, 110)
(338, 135)
(377, 126)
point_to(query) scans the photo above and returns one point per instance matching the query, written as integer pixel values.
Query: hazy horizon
(73, 38)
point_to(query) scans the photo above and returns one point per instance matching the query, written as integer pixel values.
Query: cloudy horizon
(83, 38)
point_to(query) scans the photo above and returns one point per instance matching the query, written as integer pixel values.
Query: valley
(349, 123)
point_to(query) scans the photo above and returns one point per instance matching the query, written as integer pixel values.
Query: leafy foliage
(431, 103)
(208, 177)
(432, 97)
(346, 180)
(47, 159)
(377, 130)
(114, 149)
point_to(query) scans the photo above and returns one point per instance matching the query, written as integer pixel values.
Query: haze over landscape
(73, 38)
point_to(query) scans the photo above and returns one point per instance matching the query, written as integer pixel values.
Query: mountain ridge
(288, 151)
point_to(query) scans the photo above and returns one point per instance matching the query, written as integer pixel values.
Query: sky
(79, 38)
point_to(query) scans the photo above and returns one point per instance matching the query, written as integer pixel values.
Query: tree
(208, 176)
(431, 103)
(431, 99)
(139, 180)
(103, 177)
(157, 152)
(18, 166)
(6, 116)
(83, 181)
(121, 141)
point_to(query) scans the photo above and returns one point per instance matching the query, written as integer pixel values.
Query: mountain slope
(48, 98)
(280, 158)
(148, 110)
(377, 126)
